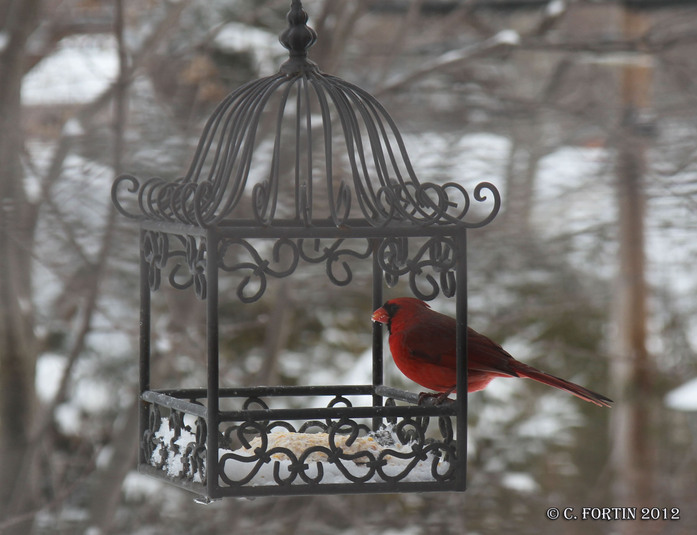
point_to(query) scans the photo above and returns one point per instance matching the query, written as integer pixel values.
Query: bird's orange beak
(380, 315)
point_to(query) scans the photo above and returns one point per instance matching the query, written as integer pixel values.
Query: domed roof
(302, 148)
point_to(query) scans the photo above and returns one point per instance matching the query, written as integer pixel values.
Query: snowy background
(542, 277)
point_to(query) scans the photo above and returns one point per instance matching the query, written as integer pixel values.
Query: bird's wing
(485, 355)
(432, 341)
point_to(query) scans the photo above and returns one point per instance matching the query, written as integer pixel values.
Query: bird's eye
(390, 308)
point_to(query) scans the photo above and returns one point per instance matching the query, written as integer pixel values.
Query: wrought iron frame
(187, 228)
(201, 259)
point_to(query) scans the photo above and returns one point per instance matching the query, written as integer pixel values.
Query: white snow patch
(49, 371)
(136, 486)
(88, 395)
(73, 128)
(683, 398)
(80, 69)
(69, 419)
(555, 8)
(104, 456)
(519, 481)
(507, 37)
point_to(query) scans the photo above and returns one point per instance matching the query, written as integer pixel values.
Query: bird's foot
(431, 398)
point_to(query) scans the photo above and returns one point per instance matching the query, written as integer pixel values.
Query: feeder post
(212, 335)
(378, 368)
(144, 381)
(461, 355)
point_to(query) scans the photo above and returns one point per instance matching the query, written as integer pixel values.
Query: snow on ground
(87, 394)
(520, 482)
(80, 68)
(49, 370)
(683, 398)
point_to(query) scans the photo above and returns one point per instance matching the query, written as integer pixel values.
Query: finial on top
(297, 38)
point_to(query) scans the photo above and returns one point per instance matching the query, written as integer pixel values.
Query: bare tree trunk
(107, 483)
(631, 365)
(109, 480)
(17, 340)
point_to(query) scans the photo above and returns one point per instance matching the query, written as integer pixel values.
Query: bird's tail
(523, 370)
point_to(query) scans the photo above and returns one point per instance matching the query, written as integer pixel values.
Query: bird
(422, 343)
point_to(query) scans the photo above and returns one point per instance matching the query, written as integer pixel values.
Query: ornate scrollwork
(333, 256)
(435, 256)
(176, 444)
(343, 450)
(433, 204)
(195, 255)
(133, 186)
(189, 261)
(149, 442)
(274, 452)
(240, 255)
(429, 265)
(155, 250)
(284, 259)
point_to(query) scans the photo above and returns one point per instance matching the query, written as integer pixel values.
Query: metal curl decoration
(242, 256)
(258, 268)
(261, 202)
(148, 441)
(133, 188)
(194, 456)
(430, 268)
(480, 196)
(436, 254)
(196, 261)
(155, 251)
(192, 262)
(356, 466)
(333, 256)
(154, 198)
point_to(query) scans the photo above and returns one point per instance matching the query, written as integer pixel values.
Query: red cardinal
(422, 342)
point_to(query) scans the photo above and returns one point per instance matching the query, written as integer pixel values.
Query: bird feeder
(332, 182)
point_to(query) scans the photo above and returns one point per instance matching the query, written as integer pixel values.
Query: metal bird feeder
(333, 184)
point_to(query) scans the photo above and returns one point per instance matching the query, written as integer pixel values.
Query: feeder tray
(296, 169)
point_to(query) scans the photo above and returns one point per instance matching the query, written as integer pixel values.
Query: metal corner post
(378, 355)
(212, 335)
(144, 365)
(461, 356)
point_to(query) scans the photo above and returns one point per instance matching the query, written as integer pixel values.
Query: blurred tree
(18, 349)
(632, 366)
